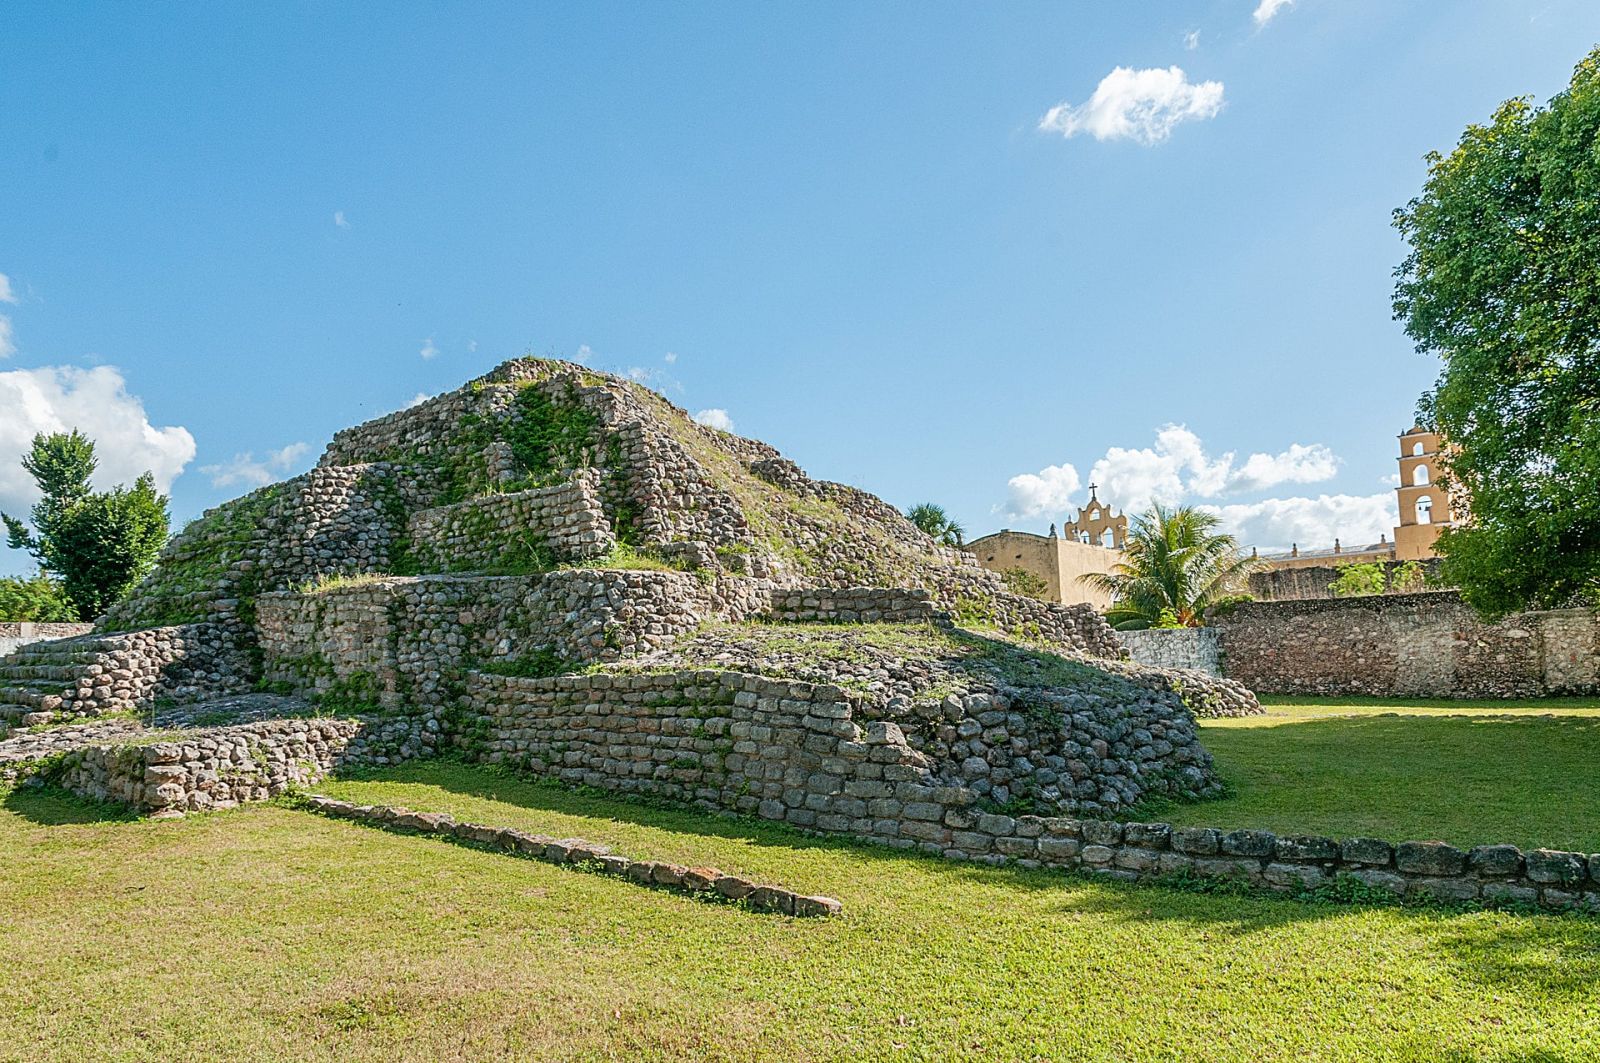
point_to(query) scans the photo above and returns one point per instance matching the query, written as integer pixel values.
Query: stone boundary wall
(564, 523)
(704, 882)
(798, 752)
(851, 605)
(1428, 869)
(1194, 648)
(1429, 644)
(410, 633)
(14, 636)
(1298, 584)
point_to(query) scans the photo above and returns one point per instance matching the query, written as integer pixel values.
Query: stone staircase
(100, 674)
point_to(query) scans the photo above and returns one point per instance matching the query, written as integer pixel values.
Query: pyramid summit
(558, 570)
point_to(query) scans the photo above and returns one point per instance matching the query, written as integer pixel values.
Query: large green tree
(1503, 284)
(98, 544)
(1175, 565)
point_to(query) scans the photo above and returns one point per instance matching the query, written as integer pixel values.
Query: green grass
(1469, 773)
(266, 933)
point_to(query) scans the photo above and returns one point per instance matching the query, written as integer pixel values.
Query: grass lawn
(1468, 772)
(268, 934)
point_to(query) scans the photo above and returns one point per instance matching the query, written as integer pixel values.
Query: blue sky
(860, 231)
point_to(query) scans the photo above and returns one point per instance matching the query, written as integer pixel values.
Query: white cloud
(418, 399)
(1175, 468)
(1140, 105)
(95, 401)
(715, 418)
(1034, 494)
(1276, 524)
(1191, 40)
(6, 294)
(670, 358)
(8, 343)
(585, 352)
(638, 374)
(1268, 8)
(339, 219)
(472, 346)
(246, 470)
(1178, 467)
(428, 351)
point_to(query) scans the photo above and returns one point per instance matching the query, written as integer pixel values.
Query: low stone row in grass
(705, 882)
(1490, 874)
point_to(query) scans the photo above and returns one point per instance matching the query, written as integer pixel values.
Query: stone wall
(1489, 874)
(1409, 645)
(526, 529)
(852, 605)
(14, 636)
(1194, 648)
(328, 522)
(407, 634)
(799, 752)
(226, 766)
(1312, 581)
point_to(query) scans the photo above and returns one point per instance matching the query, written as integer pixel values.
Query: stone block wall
(14, 636)
(1410, 645)
(521, 529)
(1194, 648)
(852, 605)
(800, 753)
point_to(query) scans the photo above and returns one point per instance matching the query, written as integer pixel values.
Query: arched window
(1416, 448)
(1425, 510)
(1419, 476)
(1108, 538)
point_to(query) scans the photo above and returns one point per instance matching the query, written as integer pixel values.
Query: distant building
(1091, 543)
(1425, 509)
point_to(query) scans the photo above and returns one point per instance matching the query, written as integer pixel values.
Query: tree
(1175, 565)
(98, 544)
(34, 598)
(1502, 282)
(937, 523)
(1358, 580)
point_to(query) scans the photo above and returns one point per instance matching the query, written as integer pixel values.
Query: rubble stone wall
(226, 766)
(852, 605)
(799, 752)
(1194, 648)
(409, 633)
(1409, 645)
(560, 523)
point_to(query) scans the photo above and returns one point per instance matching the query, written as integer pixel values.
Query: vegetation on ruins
(1360, 579)
(36, 598)
(99, 544)
(1175, 566)
(1028, 584)
(933, 520)
(1502, 282)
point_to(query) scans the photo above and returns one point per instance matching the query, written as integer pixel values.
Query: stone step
(34, 701)
(28, 672)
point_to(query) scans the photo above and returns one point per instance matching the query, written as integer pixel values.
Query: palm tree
(937, 523)
(1175, 565)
